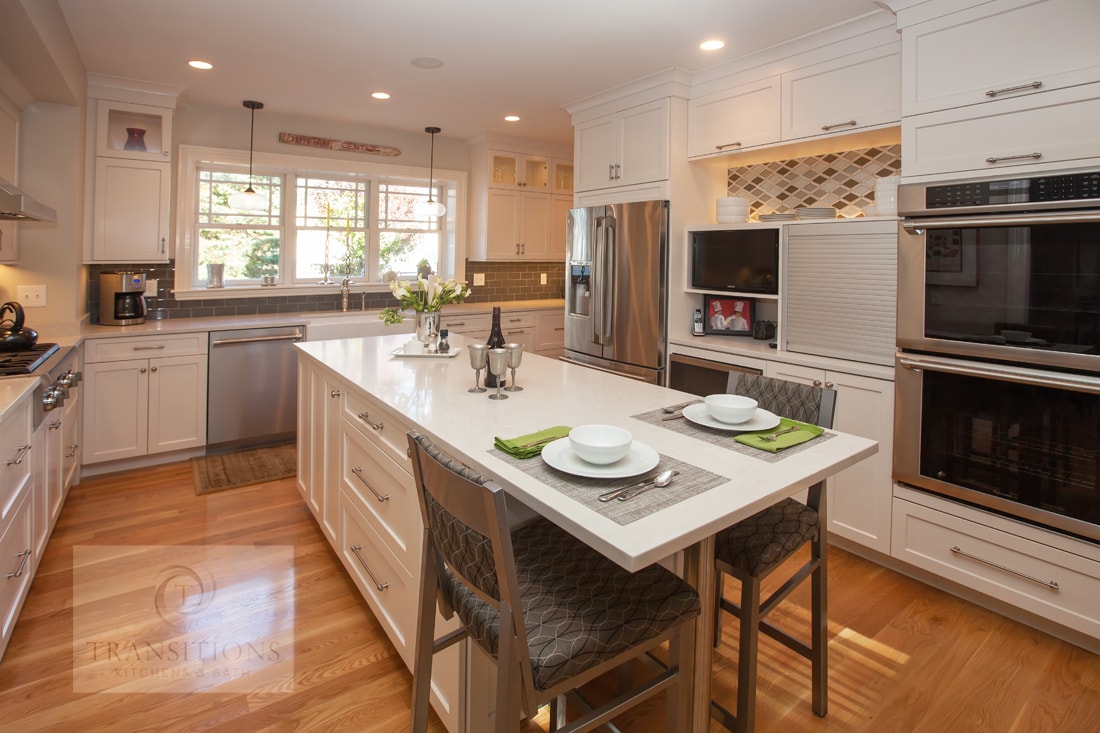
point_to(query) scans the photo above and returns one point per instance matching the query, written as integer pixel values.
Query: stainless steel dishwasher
(252, 387)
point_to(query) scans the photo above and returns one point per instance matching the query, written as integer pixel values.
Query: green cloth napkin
(520, 447)
(805, 432)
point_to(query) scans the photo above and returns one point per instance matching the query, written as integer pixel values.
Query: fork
(775, 436)
(677, 408)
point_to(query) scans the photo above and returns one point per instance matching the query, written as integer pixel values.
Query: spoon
(664, 478)
(775, 436)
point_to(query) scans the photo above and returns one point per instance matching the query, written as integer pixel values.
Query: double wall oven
(998, 378)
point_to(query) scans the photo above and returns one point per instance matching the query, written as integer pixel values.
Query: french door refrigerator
(616, 295)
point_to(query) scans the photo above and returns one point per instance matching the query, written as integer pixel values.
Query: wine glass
(498, 365)
(479, 357)
(515, 355)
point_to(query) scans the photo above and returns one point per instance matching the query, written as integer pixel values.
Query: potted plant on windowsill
(425, 299)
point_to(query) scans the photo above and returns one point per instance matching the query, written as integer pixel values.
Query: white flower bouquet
(429, 294)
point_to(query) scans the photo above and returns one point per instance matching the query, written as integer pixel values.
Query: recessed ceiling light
(380, 95)
(511, 118)
(200, 64)
(712, 45)
(426, 62)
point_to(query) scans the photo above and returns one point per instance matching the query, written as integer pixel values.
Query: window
(323, 220)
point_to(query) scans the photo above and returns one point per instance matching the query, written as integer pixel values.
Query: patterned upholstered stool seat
(758, 544)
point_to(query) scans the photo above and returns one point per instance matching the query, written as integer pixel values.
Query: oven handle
(1020, 375)
(916, 226)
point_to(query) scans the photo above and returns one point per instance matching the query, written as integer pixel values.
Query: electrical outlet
(542, 278)
(151, 287)
(31, 296)
(479, 278)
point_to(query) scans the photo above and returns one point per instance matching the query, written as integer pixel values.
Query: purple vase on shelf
(135, 139)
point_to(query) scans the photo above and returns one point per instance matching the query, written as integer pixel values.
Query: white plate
(639, 459)
(762, 420)
(424, 355)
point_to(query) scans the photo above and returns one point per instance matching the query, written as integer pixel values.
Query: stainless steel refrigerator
(616, 294)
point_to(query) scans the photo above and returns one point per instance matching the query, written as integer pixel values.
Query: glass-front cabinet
(535, 173)
(135, 131)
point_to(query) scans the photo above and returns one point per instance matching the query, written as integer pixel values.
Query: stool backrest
(803, 402)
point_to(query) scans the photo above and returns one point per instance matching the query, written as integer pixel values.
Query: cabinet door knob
(817, 382)
(828, 385)
(142, 370)
(334, 393)
(153, 369)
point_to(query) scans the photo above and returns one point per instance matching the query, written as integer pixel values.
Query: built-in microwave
(742, 260)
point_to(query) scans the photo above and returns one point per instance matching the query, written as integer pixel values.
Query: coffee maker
(121, 298)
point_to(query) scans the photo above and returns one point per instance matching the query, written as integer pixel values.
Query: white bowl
(723, 219)
(732, 211)
(730, 408)
(722, 206)
(600, 444)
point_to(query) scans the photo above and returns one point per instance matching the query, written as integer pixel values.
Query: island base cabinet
(393, 595)
(1051, 575)
(858, 497)
(16, 564)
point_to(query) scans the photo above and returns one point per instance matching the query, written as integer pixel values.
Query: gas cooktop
(24, 362)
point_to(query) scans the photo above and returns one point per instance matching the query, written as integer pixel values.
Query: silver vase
(427, 329)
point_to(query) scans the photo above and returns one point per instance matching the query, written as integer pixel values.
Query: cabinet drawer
(388, 588)
(15, 457)
(15, 557)
(467, 323)
(1006, 566)
(384, 493)
(381, 425)
(144, 347)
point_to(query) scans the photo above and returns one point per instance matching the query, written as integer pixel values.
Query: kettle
(13, 337)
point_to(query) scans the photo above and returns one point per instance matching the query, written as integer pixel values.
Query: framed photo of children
(724, 316)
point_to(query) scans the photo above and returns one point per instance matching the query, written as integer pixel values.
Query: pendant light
(249, 200)
(434, 208)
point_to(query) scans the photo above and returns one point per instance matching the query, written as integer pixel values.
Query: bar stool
(554, 613)
(751, 549)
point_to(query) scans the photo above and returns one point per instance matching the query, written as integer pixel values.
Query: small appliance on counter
(121, 298)
(13, 335)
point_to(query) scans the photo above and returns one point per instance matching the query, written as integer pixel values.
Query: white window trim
(453, 262)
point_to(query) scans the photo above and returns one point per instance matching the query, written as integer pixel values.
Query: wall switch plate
(151, 287)
(542, 278)
(479, 278)
(31, 296)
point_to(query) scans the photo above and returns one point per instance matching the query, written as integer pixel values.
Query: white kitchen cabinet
(853, 92)
(518, 225)
(550, 334)
(519, 328)
(742, 116)
(9, 146)
(15, 462)
(859, 498)
(518, 170)
(559, 220)
(624, 148)
(1028, 133)
(130, 220)
(130, 152)
(321, 449)
(998, 50)
(18, 528)
(474, 326)
(135, 405)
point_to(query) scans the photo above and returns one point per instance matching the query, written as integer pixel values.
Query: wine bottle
(496, 341)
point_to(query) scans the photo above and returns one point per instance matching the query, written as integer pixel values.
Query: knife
(614, 493)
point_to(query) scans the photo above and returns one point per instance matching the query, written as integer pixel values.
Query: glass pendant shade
(249, 200)
(433, 208)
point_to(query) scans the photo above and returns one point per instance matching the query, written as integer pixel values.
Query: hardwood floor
(903, 656)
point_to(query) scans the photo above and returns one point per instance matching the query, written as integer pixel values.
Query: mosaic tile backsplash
(845, 181)
(504, 281)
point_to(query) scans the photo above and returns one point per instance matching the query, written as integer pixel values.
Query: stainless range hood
(14, 204)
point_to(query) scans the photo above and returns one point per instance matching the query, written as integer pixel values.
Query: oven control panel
(1039, 189)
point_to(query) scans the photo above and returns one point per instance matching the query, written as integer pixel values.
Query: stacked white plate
(731, 210)
(818, 212)
(886, 196)
(777, 217)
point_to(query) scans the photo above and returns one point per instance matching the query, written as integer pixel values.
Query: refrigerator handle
(608, 279)
(596, 324)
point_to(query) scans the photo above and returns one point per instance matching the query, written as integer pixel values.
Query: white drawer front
(15, 549)
(384, 493)
(15, 457)
(389, 589)
(1005, 566)
(381, 425)
(144, 347)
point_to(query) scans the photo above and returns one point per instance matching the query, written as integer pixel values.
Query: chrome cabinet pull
(366, 418)
(149, 348)
(54, 425)
(1022, 87)
(25, 555)
(162, 238)
(334, 393)
(817, 382)
(72, 450)
(456, 323)
(727, 145)
(358, 471)
(849, 123)
(19, 458)
(1053, 584)
(379, 586)
(618, 171)
(611, 171)
(152, 369)
(142, 370)
(1003, 158)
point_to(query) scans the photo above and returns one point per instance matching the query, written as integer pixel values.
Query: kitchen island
(358, 400)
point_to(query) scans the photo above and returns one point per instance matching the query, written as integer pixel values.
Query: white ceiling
(323, 58)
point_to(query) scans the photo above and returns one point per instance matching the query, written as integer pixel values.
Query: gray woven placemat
(721, 437)
(691, 480)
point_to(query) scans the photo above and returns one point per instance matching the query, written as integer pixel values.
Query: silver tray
(400, 351)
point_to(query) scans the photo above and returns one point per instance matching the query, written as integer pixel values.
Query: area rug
(244, 468)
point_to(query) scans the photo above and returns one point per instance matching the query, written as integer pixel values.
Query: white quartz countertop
(432, 395)
(12, 389)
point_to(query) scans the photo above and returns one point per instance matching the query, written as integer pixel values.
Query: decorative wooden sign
(293, 138)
